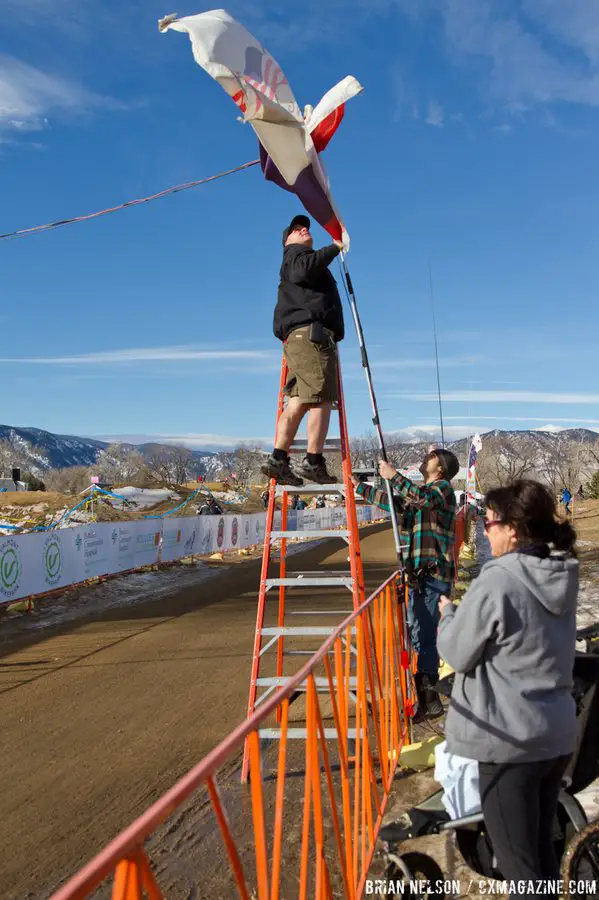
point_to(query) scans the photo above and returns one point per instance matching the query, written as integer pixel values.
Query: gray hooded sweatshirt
(512, 642)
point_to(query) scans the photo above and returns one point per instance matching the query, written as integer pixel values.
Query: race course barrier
(34, 564)
(350, 702)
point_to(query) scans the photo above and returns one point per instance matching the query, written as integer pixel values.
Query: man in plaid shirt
(426, 515)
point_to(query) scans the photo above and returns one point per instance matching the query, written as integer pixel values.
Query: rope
(27, 232)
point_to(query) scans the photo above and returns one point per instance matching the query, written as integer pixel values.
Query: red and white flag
(289, 140)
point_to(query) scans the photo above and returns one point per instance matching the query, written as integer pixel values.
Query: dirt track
(102, 715)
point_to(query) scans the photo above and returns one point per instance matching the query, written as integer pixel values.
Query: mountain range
(39, 450)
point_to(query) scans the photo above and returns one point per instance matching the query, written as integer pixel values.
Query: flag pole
(351, 296)
(430, 276)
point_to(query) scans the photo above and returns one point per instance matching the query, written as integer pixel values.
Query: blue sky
(474, 146)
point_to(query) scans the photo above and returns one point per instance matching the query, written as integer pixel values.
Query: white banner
(37, 563)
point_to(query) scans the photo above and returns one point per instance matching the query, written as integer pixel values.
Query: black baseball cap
(296, 222)
(449, 462)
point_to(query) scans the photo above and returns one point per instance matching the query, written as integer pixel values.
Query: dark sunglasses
(489, 523)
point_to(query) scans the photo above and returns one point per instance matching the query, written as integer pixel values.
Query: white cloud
(569, 422)
(517, 67)
(433, 432)
(434, 114)
(449, 362)
(192, 441)
(501, 397)
(28, 96)
(149, 354)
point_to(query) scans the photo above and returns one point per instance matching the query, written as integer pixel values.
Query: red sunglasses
(488, 523)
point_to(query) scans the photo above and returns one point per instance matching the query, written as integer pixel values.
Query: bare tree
(247, 463)
(12, 456)
(73, 480)
(119, 463)
(504, 459)
(563, 463)
(365, 451)
(171, 465)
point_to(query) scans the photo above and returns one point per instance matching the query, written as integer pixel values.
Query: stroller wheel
(412, 867)
(580, 864)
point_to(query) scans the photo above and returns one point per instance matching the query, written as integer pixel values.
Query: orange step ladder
(271, 638)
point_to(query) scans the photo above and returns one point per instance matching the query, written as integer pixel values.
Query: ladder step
(333, 445)
(311, 489)
(321, 682)
(274, 734)
(321, 612)
(277, 535)
(321, 573)
(309, 582)
(300, 631)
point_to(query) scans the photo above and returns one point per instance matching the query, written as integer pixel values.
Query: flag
(289, 140)
(475, 448)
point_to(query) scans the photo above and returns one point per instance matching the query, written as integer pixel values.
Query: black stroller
(430, 817)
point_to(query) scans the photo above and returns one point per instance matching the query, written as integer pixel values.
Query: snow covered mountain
(38, 451)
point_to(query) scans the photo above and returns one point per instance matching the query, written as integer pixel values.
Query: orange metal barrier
(351, 700)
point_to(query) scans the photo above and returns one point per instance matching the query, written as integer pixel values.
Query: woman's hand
(386, 471)
(444, 602)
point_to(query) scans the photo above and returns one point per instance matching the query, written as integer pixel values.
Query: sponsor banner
(95, 550)
(172, 544)
(37, 563)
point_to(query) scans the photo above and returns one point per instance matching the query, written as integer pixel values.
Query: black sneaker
(281, 471)
(316, 473)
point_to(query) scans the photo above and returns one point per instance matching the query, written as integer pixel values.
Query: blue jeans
(423, 621)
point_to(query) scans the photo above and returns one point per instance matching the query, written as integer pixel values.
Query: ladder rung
(300, 631)
(277, 535)
(321, 612)
(321, 573)
(311, 489)
(331, 734)
(320, 682)
(301, 445)
(342, 581)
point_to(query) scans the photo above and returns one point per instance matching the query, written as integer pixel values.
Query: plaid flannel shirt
(427, 518)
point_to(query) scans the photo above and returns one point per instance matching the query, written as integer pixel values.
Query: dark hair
(449, 463)
(530, 508)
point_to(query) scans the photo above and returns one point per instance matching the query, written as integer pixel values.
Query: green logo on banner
(10, 568)
(53, 560)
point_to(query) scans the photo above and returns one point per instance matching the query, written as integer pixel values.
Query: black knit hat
(449, 462)
(296, 222)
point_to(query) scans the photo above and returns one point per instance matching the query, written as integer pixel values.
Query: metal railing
(352, 703)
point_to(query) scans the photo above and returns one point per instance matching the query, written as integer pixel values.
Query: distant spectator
(566, 499)
(580, 493)
(264, 497)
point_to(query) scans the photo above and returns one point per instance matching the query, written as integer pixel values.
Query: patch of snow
(147, 496)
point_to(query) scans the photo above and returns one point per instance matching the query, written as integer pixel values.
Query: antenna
(430, 275)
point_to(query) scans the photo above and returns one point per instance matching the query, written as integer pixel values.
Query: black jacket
(308, 292)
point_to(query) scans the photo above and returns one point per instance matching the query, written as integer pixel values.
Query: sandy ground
(102, 712)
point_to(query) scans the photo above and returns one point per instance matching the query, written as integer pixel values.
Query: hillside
(38, 450)
(539, 439)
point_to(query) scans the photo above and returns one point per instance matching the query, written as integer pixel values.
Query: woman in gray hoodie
(511, 642)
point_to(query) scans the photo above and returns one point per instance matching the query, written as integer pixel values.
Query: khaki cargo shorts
(312, 367)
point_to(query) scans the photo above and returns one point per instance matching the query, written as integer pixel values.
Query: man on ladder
(428, 512)
(309, 320)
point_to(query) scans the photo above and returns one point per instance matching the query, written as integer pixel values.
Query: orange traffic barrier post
(352, 723)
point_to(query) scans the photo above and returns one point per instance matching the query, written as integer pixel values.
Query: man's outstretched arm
(308, 264)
